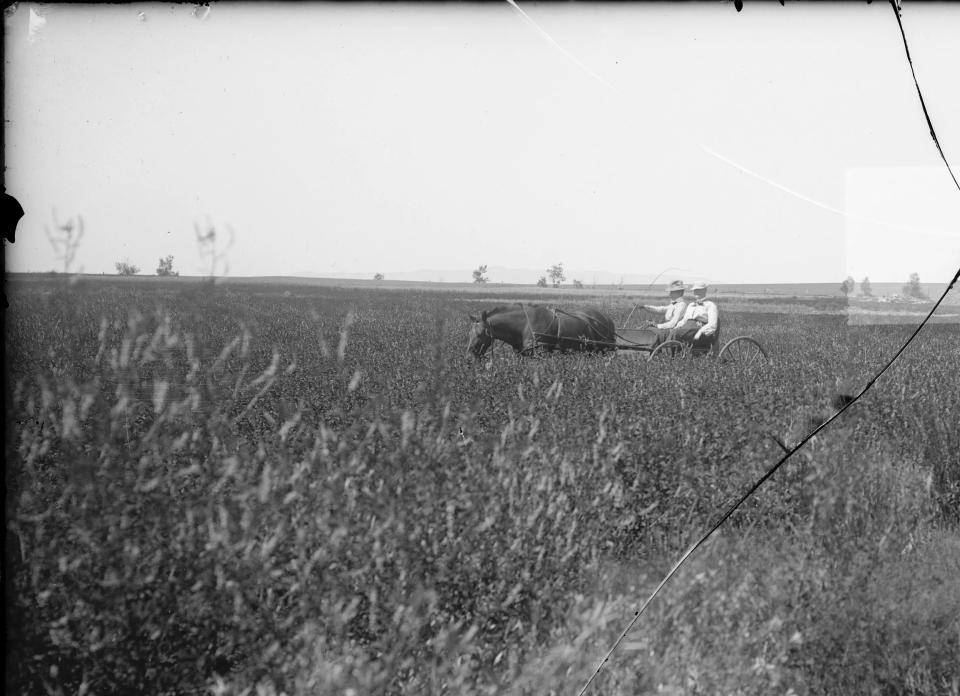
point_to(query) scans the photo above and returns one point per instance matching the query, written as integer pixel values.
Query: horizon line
(367, 278)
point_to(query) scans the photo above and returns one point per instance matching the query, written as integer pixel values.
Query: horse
(529, 328)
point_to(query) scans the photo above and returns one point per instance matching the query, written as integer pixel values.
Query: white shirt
(705, 312)
(673, 313)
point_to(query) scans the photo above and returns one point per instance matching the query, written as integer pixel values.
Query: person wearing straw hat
(673, 312)
(700, 319)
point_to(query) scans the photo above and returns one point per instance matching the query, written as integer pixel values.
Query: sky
(778, 144)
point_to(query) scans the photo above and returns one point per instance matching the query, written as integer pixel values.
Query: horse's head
(481, 338)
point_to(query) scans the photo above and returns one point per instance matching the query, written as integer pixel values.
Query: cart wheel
(743, 351)
(668, 350)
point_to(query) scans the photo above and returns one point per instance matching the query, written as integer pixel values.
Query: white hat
(699, 286)
(676, 285)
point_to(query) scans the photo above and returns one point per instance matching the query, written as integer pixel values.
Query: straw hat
(700, 286)
(676, 285)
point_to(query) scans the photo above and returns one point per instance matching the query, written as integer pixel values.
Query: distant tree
(166, 267)
(542, 281)
(865, 289)
(913, 288)
(577, 284)
(480, 274)
(847, 286)
(126, 268)
(378, 276)
(556, 274)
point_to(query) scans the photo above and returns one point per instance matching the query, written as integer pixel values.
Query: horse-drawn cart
(534, 329)
(740, 350)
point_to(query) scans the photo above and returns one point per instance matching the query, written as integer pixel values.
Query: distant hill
(526, 278)
(629, 281)
(881, 291)
(513, 276)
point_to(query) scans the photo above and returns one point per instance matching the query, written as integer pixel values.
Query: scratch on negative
(796, 194)
(560, 48)
(819, 204)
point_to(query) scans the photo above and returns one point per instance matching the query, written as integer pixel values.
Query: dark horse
(528, 328)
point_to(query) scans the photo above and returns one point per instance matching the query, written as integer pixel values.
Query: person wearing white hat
(700, 319)
(673, 312)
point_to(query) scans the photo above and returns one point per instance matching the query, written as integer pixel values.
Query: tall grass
(216, 488)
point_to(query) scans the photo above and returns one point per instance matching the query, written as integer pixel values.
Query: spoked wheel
(668, 350)
(743, 351)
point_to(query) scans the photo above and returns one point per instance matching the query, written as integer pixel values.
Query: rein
(648, 288)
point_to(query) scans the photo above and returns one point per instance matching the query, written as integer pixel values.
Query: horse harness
(483, 331)
(556, 317)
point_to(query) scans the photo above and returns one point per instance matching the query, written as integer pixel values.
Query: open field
(309, 488)
(767, 292)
